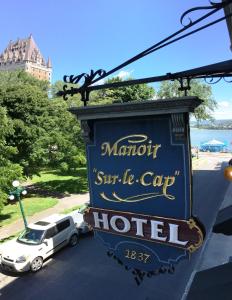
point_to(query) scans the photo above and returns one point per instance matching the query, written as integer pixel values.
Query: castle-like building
(25, 55)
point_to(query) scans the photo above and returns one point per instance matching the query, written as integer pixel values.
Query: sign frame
(177, 111)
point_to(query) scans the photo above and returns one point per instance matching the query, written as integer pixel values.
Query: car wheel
(36, 264)
(73, 240)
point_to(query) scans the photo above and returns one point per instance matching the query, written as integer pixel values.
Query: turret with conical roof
(49, 63)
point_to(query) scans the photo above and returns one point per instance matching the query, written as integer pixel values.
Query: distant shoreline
(211, 128)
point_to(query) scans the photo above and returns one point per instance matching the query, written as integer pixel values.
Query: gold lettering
(106, 149)
(168, 181)
(155, 149)
(122, 151)
(102, 178)
(158, 180)
(131, 150)
(114, 178)
(141, 150)
(107, 179)
(142, 178)
(152, 149)
(133, 147)
(128, 178)
(140, 256)
(99, 179)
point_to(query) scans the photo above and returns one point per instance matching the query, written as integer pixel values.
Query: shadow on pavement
(213, 284)
(85, 272)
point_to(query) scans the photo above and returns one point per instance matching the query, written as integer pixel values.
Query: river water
(199, 136)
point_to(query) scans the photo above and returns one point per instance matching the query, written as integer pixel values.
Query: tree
(26, 105)
(169, 89)
(8, 170)
(62, 145)
(136, 92)
(74, 100)
(9, 78)
(43, 132)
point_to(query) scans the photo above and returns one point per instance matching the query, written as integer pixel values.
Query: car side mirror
(45, 242)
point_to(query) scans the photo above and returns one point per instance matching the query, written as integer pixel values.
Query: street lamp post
(16, 194)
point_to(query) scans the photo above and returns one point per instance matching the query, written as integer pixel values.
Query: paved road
(85, 272)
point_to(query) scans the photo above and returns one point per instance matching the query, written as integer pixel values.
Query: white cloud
(224, 104)
(124, 74)
(223, 111)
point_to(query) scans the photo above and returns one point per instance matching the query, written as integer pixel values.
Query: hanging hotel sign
(139, 171)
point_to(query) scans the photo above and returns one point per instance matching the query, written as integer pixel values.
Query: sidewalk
(219, 247)
(64, 203)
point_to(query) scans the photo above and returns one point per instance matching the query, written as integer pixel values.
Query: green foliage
(136, 92)
(61, 144)
(8, 173)
(9, 78)
(41, 130)
(8, 170)
(69, 210)
(75, 100)
(198, 88)
(10, 237)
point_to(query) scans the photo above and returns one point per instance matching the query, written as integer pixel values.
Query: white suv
(37, 242)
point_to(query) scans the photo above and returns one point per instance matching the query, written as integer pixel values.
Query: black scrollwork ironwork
(93, 77)
(184, 85)
(88, 78)
(227, 80)
(139, 275)
(213, 6)
(227, 77)
(212, 80)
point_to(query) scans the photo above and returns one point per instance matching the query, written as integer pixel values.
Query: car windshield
(31, 236)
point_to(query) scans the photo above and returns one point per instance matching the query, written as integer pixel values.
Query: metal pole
(21, 208)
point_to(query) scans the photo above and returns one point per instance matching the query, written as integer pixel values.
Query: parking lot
(86, 272)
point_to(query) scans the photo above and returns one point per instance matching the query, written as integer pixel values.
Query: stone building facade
(24, 54)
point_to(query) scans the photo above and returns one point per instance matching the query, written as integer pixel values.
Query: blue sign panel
(140, 181)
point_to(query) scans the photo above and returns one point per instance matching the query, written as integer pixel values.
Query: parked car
(39, 241)
(78, 217)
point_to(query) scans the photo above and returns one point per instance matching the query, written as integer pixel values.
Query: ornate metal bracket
(88, 80)
(95, 76)
(184, 85)
(214, 80)
(213, 6)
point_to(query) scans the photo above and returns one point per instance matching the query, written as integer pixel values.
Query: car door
(50, 241)
(62, 236)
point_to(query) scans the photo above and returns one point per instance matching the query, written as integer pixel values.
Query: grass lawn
(69, 210)
(10, 237)
(55, 181)
(32, 205)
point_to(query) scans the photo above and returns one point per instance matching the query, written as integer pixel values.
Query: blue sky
(92, 34)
